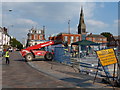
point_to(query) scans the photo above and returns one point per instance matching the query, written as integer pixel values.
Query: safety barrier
(61, 55)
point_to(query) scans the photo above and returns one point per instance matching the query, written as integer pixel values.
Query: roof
(57, 34)
(95, 35)
(85, 43)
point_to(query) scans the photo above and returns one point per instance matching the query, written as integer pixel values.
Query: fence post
(118, 69)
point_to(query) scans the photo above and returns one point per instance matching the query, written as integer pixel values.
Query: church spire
(81, 26)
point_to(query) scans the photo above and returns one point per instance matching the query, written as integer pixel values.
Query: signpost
(106, 57)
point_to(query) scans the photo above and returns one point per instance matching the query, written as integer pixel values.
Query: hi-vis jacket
(7, 54)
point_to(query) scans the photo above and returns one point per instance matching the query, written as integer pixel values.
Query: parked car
(10, 49)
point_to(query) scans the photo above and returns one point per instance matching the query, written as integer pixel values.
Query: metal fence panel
(61, 55)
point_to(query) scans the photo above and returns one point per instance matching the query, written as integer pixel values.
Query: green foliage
(107, 35)
(15, 43)
(5, 46)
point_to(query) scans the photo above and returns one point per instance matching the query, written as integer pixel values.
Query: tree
(108, 35)
(110, 39)
(15, 43)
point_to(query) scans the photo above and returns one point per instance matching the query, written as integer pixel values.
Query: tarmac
(67, 73)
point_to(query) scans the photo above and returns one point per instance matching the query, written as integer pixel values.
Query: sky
(98, 16)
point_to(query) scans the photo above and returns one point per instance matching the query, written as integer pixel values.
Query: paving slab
(67, 73)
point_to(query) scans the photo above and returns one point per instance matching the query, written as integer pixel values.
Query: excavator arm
(40, 45)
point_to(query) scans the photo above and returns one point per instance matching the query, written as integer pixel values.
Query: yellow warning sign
(107, 57)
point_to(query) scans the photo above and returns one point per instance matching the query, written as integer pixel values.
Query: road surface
(18, 74)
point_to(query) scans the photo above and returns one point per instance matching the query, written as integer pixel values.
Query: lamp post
(10, 10)
(8, 40)
(69, 26)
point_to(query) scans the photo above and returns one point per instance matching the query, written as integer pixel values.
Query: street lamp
(10, 10)
(69, 26)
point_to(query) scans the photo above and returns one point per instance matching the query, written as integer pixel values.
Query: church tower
(81, 26)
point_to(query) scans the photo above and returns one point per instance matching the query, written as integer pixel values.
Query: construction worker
(7, 56)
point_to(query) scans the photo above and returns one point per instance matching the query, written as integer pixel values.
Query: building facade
(4, 38)
(66, 37)
(35, 37)
(97, 39)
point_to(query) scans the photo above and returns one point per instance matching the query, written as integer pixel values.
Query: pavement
(67, 74)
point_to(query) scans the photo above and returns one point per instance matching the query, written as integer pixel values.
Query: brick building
(96, 38)
(66, 37)
(35, 37)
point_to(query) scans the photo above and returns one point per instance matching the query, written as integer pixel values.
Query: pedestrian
(7, 56)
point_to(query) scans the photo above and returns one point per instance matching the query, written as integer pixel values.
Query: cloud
(18, 22)
(97, 27)
(116, 25)
(116, 21)
(51, 11)
(18, 33)
(26, 22)
(97, 23)
(54, 15)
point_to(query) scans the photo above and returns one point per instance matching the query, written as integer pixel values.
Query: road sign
(107, 57)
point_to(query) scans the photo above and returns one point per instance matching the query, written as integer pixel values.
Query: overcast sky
(99, 17)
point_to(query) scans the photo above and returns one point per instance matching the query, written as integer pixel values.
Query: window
(93, 39)
(97, 39)
(104, 39)
(100, 39)
(90, 39)
(72, 39)
(39, 31)
(65, 38)
(77, 39)
(35, 37)
(41, 37)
